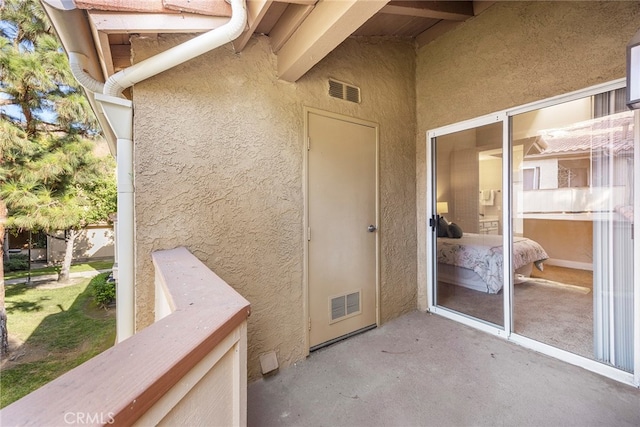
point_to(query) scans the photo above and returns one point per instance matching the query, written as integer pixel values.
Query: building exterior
(223, 144)
(94, 242)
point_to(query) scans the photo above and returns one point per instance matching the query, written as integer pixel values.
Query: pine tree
(49, 177)
(4, 335)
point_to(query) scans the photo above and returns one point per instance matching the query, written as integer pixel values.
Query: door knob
(372, 228)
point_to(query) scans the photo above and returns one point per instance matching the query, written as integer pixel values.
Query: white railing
(595, 199)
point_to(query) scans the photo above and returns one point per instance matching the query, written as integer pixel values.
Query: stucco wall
(512, 54)
(219, 169)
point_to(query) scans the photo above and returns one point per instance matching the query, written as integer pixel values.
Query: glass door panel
(468, 222)
(572, 183)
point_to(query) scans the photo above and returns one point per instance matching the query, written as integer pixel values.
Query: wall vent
(344, 91)
(344, 306)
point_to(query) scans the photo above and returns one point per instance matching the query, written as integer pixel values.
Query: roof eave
(72, 27)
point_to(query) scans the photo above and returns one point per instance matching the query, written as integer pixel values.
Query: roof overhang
(301, 32)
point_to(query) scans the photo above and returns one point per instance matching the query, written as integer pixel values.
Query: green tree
(50, 178)
(4, 336)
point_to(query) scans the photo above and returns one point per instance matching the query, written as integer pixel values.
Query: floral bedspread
(482, 253)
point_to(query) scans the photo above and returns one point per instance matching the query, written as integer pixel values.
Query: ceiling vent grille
(344, 91)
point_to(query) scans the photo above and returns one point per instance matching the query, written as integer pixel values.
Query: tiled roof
(613, 132)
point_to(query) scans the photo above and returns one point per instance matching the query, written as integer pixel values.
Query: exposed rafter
(445, 26)
(436, 31)
(288, 23)
(147, 6)
(205, 7)
(302, 32)
(109, 22)
(256, 9)
(103, 48)
(450, 10)
(480, 6)
(303, 2)
(328, 25)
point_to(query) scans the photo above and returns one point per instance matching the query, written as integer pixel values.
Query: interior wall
(491, 179)
(219, 146)
(576, 250)
(512, 54)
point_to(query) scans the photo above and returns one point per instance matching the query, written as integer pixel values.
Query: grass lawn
(52, 329)
(87, 266)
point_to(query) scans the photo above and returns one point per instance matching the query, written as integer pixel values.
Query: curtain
(612, 178)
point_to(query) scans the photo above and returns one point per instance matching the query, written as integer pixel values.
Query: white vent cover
(344, 306)
(344, 91)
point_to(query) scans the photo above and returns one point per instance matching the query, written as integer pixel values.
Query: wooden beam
(328, 25)
(112, 22)
(256, 9)
(288, 24)
(480, 6)
(271, 17)
(442, 27)
(450, 10)
(204, 7)
(104, 53)
(146, 6)
(103, 49)
(303, 2)
(121, 54)
(436, 31)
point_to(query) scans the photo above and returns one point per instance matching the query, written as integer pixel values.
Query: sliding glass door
(467, 225)
(531, 228)
(573, 174)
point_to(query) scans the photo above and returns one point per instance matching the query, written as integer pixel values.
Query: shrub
(103, 289)
(16, 263)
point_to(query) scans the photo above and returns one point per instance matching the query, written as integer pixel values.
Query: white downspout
(78, 66)
(119, 113)
(181, 53)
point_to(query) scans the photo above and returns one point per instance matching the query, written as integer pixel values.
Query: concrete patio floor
(425, 370)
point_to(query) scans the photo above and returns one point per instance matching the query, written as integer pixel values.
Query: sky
(14, 111)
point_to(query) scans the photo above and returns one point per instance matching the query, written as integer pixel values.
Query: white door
(342, 226)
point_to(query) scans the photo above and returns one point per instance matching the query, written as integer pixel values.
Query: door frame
(305, 179)
(508, 333)
(430, 235)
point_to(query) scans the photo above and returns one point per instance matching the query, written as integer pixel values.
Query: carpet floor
(554, 307)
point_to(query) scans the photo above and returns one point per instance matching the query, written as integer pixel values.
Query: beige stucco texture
(512, 54)
(219, 151)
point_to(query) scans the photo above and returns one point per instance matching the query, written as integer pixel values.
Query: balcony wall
(187, 368)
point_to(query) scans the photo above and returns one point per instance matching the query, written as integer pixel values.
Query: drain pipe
(78, 65)
(119, 114)
(181, 53)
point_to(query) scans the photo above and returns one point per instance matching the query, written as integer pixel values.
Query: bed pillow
(443, 226)
(454, 231)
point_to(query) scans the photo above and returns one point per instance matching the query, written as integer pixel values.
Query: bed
(475, 260)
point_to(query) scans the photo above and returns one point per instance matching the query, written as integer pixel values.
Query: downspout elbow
(77, 64)
(181, 53)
